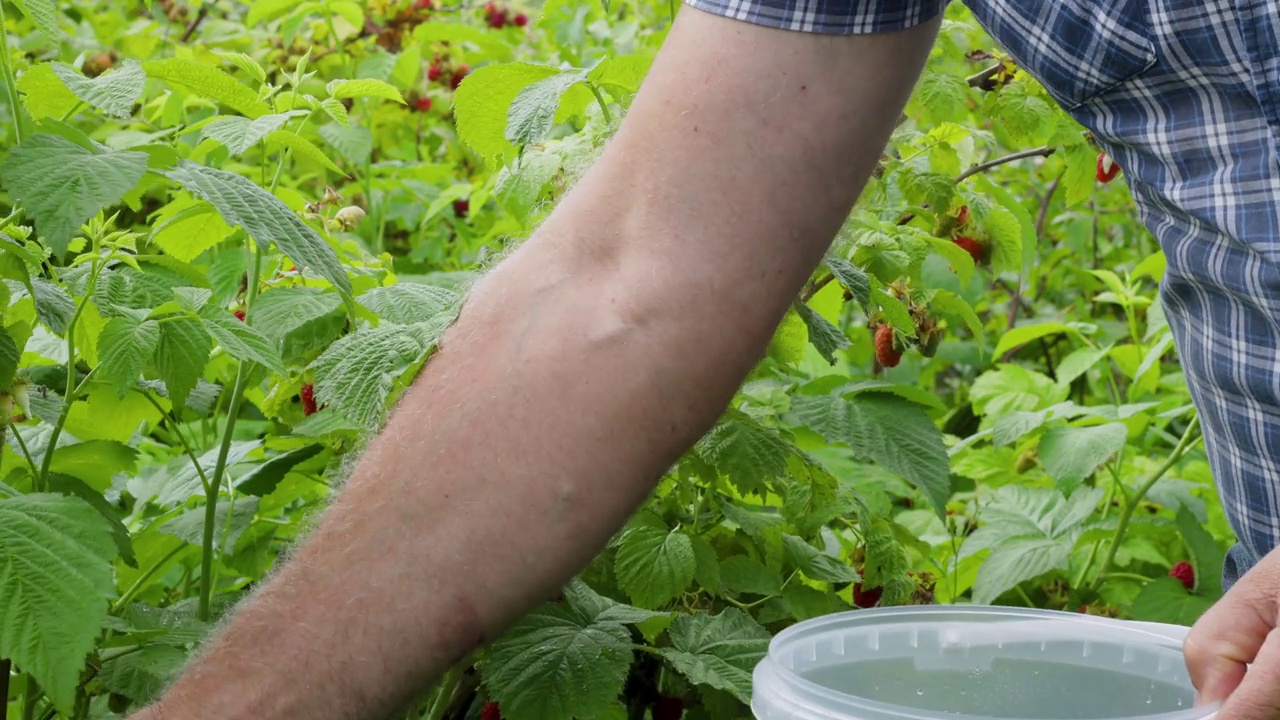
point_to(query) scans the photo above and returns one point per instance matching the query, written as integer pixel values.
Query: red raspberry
(886, 352)
(869, 597)
(435, 72)
(490, 711)
(461, 208)
(971, 246)
(498, 20)
(1107, 169)
(962, 217)
(308, 395)
(521, 20)
(1185, 574)
(239, 315)
(668, 708)
(490, 8)
(423, 104)
(459, 74)
(422, 4)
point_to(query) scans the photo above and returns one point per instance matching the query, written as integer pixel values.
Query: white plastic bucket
(974, 663)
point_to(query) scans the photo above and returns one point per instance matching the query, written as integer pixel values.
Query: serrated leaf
(209, 81)
(10, 356)
(178, 481)
(263, 479)
(654, 565)
(958, 258)
(531, 113)
(181, 356)
(1018, 559)
(853, 278)
(481, 106)
(125, 346)
(281, 311)
(742, 574)
(45, 15)
(355, 375)
(238, 134)
(55, 580)
(816, 564)
(946, 302)
(521, 185)
(229, 521)
(746, 452)
(364, 88)
(68, 485)
(824, 336)
(1071, 454)
(185, 228)
(556, 665)
(301, 148)
(354, 144)
(596, 608)
(44, 95)
(718, 650)
(114, 93)
(892, 432)
(895, 311)
(243, 342)
(62, 184)
(1165, 600)
(245, 63)
(265, 217)
(141, 676)
(707, 564)
(439, 30)
(1080, 177)
(334, 108)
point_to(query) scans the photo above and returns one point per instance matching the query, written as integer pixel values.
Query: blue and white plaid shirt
(1185, 95)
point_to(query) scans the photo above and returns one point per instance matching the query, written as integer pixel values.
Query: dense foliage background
(232, 232)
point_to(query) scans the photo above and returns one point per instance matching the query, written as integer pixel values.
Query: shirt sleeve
(833, 17)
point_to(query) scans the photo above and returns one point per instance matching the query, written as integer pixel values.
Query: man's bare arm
(580, 368)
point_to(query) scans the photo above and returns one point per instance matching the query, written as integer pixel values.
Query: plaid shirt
(1185, 95)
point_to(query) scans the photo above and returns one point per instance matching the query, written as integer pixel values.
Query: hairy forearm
(578, 371)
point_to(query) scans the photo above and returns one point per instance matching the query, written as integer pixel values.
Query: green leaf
(281, 311)
(267, 10)
(189, 526)
(44, 95)
(533, 110)
(364, 88)
(301, 148)
(264, 217)
(1080, 177)
(44, 14)
(68, 485)
(654, 565)
(438, 30)
(186, 228)
(10, 356)
(554, 664)
(243, 342)
(718, 650)
(1165, 600)
(263, 479)
(596, 608)
(1071, 454)
(707, 567)
(816, 564)
(1016, 560)
(355, 375)
(55, 580)
(826, 337)
(746, 452)
(743, 574)
(852, 278)
(178, 481)
(890, 431)
(238, 134)
(209, 81)
(410, 303)
(1206, 554)
(125, 347)
(945, 302)
(63, 185)
(481, 105)
(114, 93)
(1024, 334)
(181, 356)
(354, 144)
(141, 676)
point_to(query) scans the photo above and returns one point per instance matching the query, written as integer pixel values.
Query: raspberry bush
(230, 234)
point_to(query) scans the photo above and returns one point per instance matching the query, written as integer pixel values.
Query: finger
(1231, 633)
(1258, 695)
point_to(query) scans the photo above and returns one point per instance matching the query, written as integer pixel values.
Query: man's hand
(580, 368)
(1240, 631)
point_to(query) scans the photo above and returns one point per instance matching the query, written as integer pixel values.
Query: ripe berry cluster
(497, 16)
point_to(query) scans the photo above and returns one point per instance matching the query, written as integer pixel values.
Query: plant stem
(5, 667)
(29, 698)
(604, 107)
(1189, 437)
(228, 432)
(1044, 151)
(186, 446)
(6, 76)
